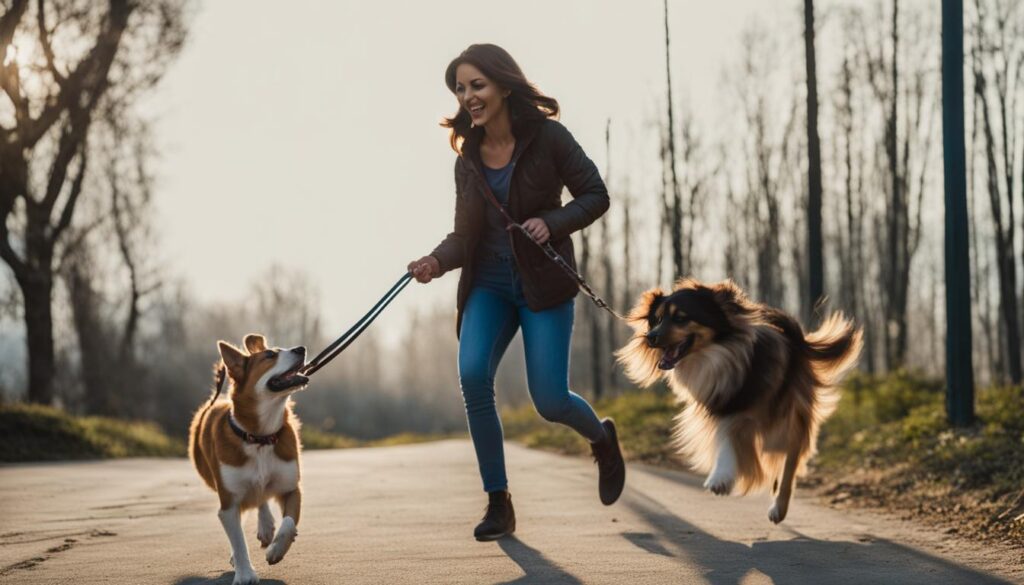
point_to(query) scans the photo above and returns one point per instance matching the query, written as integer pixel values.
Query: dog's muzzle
(291, 378)
(673, 354)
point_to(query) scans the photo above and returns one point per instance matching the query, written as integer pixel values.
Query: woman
(507, 140)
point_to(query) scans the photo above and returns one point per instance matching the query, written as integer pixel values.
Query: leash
(339, 345)
(550, 252)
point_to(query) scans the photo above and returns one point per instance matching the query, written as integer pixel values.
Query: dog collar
(249, 437)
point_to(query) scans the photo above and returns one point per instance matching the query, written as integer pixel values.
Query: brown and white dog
(758, 387)
(247, 447)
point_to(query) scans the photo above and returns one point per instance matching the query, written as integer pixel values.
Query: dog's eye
(269, 354)
(680, 319)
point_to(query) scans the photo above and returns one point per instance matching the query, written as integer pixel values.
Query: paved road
(405, 515)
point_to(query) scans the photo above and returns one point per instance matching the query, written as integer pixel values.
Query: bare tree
(46, 122)
(999, 164)
(608, 266)
(814, 239)
(908, 110)
(768, 152)
(287, 306)
(593, 319)
(676, 223)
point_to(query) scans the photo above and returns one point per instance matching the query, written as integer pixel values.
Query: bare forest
(816, 185)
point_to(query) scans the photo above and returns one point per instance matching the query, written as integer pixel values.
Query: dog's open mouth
(288, 380)
(672, 355)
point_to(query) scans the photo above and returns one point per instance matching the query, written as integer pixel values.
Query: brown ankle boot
(610, 465)
(500, 518)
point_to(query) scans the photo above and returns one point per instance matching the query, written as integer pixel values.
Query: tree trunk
(607, 265)
(593, 321)
(37, 291)
(897, 221)
(1006, 269)
(959, 367)
(814, 196)
(98, 359)
(676, 225)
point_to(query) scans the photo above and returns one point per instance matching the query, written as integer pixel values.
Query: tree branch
(44, 40)
(10, 79)
(76, 190)
(89, 79)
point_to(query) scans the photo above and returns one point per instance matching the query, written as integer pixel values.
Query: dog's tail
(219, 373)
(833, 349)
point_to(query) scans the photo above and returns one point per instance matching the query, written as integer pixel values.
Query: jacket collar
(471, 147)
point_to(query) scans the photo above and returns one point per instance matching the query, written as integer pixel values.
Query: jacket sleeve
(580, 175)
(451, 252)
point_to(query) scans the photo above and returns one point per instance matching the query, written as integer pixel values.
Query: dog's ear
(643, 313)
(233, 359)
(656, 299)
(255, 343)
(729, 296)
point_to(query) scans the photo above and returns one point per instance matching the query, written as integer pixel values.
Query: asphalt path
(405, 514)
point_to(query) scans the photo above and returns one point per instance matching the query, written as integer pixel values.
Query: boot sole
(490, 537)
(618, 488)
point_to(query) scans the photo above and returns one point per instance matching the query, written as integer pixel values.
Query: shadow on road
(801, 559)
(224, 579)
(538, 569)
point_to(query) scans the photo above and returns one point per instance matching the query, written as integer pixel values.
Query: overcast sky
(306, 133)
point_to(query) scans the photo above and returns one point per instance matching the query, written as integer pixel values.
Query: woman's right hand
(425, 269)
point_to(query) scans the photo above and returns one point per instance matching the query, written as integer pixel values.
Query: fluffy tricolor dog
(247, 447)
(758, 387)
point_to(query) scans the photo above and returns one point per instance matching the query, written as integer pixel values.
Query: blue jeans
(494, 311)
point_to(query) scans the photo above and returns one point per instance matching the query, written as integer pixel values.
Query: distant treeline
(107, 330)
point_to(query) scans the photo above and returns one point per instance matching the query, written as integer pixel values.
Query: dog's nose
(299, 350)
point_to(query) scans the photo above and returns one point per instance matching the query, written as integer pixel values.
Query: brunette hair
(525, 102)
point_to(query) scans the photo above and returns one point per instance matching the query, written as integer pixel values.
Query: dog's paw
(245, 576)
(778, 513)
(282, 542)
(719, 484)
(265, 530)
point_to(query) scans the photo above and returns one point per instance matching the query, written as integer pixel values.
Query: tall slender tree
(608, 265)
(814, 195)
(959, 372)
(676, 224)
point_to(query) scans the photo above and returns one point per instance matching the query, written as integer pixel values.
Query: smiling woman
(506, 281)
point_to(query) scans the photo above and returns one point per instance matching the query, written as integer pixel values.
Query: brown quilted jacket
(546, 159)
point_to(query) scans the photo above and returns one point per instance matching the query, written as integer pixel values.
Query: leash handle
(340, 344)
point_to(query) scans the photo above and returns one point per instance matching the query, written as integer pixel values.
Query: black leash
(339, 345)
(549, 251)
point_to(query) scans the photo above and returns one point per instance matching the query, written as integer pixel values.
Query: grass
(34, 432)
(643, 420)
(41, 433)
(887, 445)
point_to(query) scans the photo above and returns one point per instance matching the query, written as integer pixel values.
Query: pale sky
(306, 133)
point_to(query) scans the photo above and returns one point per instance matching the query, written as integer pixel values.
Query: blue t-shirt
(495, 240)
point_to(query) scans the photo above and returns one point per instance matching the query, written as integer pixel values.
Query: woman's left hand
(538, 229)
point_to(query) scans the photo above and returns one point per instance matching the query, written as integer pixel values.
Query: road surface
(405, 514)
